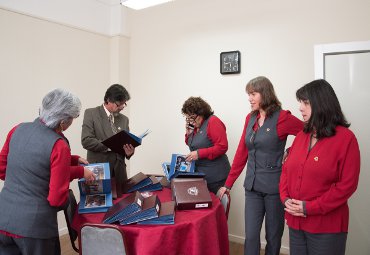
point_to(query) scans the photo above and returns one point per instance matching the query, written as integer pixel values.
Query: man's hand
(129, 150)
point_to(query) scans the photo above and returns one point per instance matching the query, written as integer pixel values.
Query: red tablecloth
(197, 232)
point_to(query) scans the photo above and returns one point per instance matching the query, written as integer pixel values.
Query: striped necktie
(114, 129)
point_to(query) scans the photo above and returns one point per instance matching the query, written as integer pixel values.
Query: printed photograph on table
(98, 171)
(95, 200)
(179, 164)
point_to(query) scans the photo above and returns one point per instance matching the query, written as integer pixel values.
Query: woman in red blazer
(320, 174)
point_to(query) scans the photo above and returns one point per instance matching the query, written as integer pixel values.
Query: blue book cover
(124, 208)
(166, 215)
(166, 166)
(153, 186)
(96, 196)
(179, 164)
(95, 203)
(137, 182)
(150, 209)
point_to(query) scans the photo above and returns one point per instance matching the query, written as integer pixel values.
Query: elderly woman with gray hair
(37, 166)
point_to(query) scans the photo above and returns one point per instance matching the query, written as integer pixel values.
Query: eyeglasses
(191, 118)
(121, 105)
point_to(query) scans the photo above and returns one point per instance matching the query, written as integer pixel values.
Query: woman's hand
(88, 175)
(192, 156)
(222, 191)
(294, 207)
(83, 161)
(129, 150)
(189, 127)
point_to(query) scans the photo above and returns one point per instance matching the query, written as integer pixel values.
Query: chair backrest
(225, 201)
(98, 239)
(69, 212)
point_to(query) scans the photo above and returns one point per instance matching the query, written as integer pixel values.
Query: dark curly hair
(326, 112)
(196, 105)
(270, 103)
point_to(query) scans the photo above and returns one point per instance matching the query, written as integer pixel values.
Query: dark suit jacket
(95, 129)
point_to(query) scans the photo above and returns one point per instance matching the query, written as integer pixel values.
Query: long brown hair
(269, 101)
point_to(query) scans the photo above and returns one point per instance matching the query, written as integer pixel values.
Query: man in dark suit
(101, 123)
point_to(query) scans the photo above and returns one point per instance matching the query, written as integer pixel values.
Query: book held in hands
(116, 142)
(96, 196)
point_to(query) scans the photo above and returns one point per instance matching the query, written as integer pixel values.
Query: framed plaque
(230, 62)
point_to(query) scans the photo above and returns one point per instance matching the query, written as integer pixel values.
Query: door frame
(322, 50)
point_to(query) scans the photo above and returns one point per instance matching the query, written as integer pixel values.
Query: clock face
(230, 62)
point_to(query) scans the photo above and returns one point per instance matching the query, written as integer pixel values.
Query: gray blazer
(95, 129)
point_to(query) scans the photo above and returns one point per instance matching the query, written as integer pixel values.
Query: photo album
(96, 196)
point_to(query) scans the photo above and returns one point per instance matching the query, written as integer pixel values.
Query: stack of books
(124, 208)
(166, 215)
(141, 182)
(137, 209)
(96, 196)
(179, 167)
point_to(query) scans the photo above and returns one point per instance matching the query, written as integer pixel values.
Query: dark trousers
(29, 246)
(304, 243)
(260, 205)
(215, 186)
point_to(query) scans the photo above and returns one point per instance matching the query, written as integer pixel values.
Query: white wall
(173, 53)
(37, 56)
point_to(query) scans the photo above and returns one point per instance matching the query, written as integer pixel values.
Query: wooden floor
(235, 248)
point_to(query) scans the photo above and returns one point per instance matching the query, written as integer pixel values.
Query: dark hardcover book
(124, 208)
(149, 210)
(137, 182)
(180, 174)
(154, 186)
(191, 193)
(116, 142)
(166, 215)
(96, 196)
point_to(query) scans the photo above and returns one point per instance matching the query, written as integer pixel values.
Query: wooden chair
(69, 213)
(97, 239)
(225, 201)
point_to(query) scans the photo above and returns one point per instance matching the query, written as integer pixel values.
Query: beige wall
(173, 53)
(37, 56)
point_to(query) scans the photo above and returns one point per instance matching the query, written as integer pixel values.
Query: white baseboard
(241, 239)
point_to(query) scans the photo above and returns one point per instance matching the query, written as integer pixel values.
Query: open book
(116, 142)
(96, 196)
(178, 167)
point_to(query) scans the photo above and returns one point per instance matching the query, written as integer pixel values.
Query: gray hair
(59, 105)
